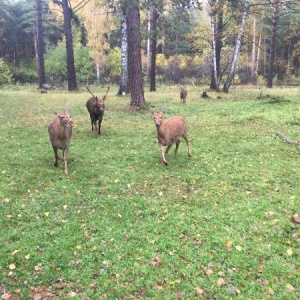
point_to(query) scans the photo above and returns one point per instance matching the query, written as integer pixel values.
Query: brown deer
(95, 107)
(183, 94)
(60, 133)
(170, 132)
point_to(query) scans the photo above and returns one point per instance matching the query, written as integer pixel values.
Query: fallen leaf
(199, 291)
(38, 267)
(289, 252)
(238, 248)
(208, 272)
(221, 281)
(15, 252)
(155, 262)
(264, 282)
(72, 294)
(6, 296)
(289, 288)
(229, 244)
(296, 219)
(12, 266)
(179, 294)
(270, 291)
(46, 213)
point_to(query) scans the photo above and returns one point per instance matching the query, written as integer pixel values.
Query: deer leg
(65, 157)
(161, 147)
(96, 128)
(188, 144)
(99, 126)
(92, 122)
(55, 156)
(168, 148)
(177, 145)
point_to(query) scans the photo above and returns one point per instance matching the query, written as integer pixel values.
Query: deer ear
(56, 113)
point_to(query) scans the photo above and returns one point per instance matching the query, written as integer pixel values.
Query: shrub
(5, 73)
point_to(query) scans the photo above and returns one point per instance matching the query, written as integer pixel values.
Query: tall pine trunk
(273, 43)
(134, 54)
(237, 48)
(40, 45)
(153, 49)
(71, 74)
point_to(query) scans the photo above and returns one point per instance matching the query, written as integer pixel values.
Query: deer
(183, 94)
(60, 133)
(170, 132)
(95, 107)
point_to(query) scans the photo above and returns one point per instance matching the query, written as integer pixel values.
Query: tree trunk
(153, 49)
(273, 43)
(253, 54)
(40, 45)
(134, 54)
(71, 74)
(217, 32)
(148, 46)
(258, 55)
(124, 89)
(237, 48)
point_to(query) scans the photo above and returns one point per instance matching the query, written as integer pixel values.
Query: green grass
(123, 226)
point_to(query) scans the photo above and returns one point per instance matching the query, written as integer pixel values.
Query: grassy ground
(123, 226)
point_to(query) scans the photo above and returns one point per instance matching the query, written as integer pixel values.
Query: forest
(133, 43)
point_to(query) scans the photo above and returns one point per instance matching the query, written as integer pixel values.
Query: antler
(91, 92)
(104, 97)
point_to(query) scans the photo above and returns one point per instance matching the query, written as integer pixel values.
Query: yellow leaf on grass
(78, 247)
(289, 252)
(15, 252)
(238, 248)
(27, 256)
(12, 266)
(228, 244)
(270, 291)
(289, 287)
(46, 213)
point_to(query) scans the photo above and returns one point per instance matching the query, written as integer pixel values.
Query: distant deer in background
(60, 133)
(183, 94)
(169, 132)
(95, 107)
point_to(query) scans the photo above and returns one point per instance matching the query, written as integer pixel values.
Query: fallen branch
(282, 136)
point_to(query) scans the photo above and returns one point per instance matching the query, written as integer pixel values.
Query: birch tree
(237, 48)
(214, 81)
(124, 89)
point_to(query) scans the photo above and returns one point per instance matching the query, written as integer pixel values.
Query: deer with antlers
(95, 107)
